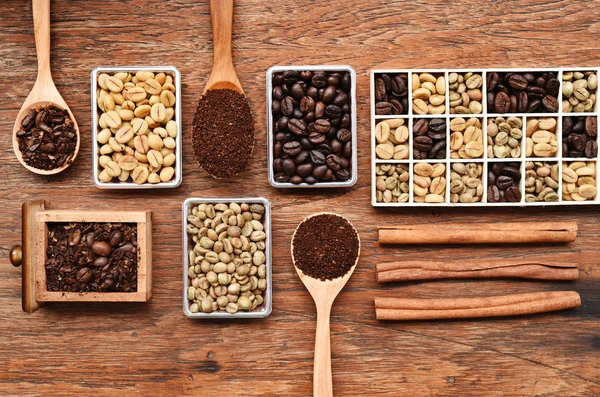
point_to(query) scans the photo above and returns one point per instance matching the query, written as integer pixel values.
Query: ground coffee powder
(325, 246)
(223, 134)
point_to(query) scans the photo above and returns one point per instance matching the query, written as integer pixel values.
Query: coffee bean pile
(429, 139)
(391, 93)
(522, 92)
(47, 138)
(312, 126)
(579, 136)
(92, 257)
(503, 182)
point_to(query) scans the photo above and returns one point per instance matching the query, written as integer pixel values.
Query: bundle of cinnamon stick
(497, 233)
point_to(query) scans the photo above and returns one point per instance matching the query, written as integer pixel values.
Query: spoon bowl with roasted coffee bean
(325, 251)
(45, 135)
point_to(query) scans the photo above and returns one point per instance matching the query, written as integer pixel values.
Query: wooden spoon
(323, 293)
(223, 74)
(44, 91)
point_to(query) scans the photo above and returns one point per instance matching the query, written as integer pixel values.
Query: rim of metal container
(268, 303)
(95, 150)
(354, 178)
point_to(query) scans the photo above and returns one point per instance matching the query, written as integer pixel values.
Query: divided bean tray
(409, 115)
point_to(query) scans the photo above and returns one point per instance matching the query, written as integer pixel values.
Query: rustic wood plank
(152, 349)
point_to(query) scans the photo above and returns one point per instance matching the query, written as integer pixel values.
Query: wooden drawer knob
(16, 255)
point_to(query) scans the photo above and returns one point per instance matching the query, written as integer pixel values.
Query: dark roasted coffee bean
(383, 108)
(316, 138)
(591, 149)
(296, 179)
(302, 157)
(591, 126)
(345, 122)
(306, 75)
(310, 180)
(305, 143)
(304, 170)
(292, 148)
(550, 103)
(513, 103)
(333, 162)
(329, 95)
(317, 157)
(491, 81)
(100, 261)
(493, 194)
(290, 76)
(307, 104)
(336, 146)
(512, 172)
(296, 126)
(309, 118)
(287, 106)
(517, 82)
(320, 110)
(552, 87)
(276, 108)
(420, 127)
(491, 98)
(436, 149)
(319, 80)
(534, 105)
(419, 155)
(436, 135)
(536, 92)
(297, 113)
(116, 238)
(322, 125)
(287, 137)
(101, 248)
(504, 182)
(297, 92)
(282, 178)
(342, 174)
(577, 141)
(437, 125)
(74, 237)
(288, 167)
(387, 80)
(399, 86)
(513, 194)
(313, 93)
(422, 143)
(333, 111)
(347, 151)
(84, 275)
(341, 99)
(277, 165)
(319, 171)
(344, 135)
(502, 103)
(380, 92)
(497, 168)
(397, 107)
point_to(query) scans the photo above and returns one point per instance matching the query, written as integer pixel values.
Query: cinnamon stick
(494, 306)
(486, 268)
(481, 233)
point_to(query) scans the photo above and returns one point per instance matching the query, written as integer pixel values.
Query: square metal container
(263, 310)
(484, 160)
(327, 68)
(174, 72)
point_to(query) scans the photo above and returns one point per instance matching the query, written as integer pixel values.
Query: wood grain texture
(152, 349)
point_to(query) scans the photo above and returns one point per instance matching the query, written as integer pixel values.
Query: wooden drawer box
(32, 254)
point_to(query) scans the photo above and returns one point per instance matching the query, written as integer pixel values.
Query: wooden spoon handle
(322, 382)
(41, 30)
(221, 15)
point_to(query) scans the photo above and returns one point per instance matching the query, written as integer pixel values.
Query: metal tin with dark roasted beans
(311, 119)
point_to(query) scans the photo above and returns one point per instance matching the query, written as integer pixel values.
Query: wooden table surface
(153, 350)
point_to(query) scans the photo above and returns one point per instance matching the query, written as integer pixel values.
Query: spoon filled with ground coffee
(223, 131)
(325, 251)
